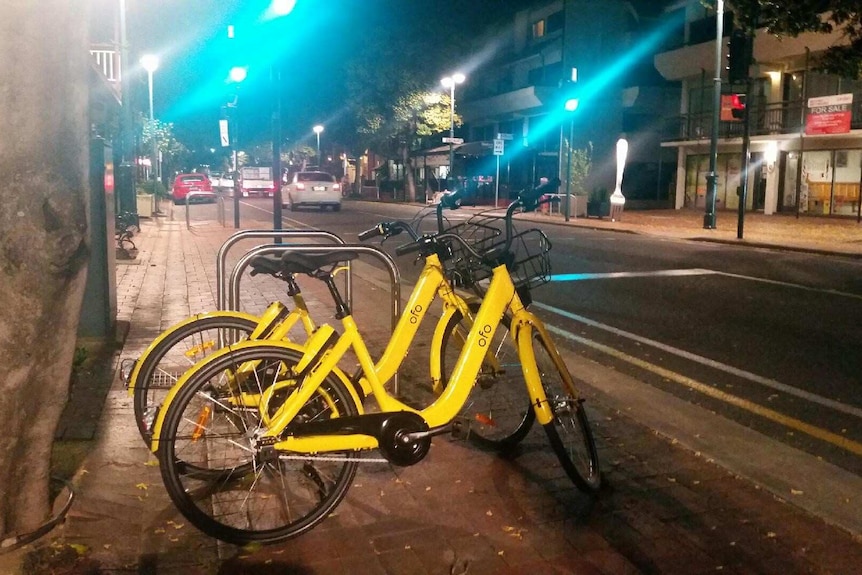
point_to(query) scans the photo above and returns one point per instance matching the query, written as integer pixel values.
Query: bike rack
(236, 274)
(221, 257)
(189, 196)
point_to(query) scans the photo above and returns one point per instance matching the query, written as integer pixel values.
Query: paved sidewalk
(780, 231)
(665, 508)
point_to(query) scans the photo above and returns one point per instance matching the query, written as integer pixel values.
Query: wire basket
(527, 259)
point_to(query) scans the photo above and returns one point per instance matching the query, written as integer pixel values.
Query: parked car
(187, 183)
(317, 189)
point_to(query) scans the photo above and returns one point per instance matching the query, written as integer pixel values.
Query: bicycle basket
(528, 258)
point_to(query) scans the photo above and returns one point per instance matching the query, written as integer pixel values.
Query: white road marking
(771, 383)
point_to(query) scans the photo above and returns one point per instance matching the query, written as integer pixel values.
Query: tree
(794, 17)
(173, 151)
(394, 102)
(44, 155)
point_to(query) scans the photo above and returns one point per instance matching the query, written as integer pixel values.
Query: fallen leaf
(489, 513)
(142, 486)
(796, 492)
(252, 547)
(79, 549)
(152, 463)
(771, 534)
(158, 530)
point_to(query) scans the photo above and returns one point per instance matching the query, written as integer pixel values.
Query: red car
(198, 183)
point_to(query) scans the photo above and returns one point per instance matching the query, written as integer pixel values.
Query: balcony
(766, 119)
(108, 61)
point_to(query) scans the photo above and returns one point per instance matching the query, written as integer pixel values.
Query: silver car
(316, 189)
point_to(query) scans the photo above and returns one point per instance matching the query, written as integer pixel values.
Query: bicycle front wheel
(180, 349)
(497, 413)
(254, 494)
(569, 431)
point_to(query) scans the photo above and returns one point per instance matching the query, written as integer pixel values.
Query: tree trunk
(409, 179)
(44, 154)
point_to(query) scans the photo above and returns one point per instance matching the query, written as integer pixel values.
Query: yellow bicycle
(182, 345)
(298, 427)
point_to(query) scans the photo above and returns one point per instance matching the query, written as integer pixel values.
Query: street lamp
(317, 129)
(449, 82)
(150, 62)
(236, 75)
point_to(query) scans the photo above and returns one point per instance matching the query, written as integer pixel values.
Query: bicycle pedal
(460, 429)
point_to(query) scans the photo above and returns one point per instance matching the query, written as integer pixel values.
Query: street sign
(453, 140)
(498, 147)
(504, 136)
(223, 134)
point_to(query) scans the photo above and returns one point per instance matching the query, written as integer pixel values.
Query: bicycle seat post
(342, 310)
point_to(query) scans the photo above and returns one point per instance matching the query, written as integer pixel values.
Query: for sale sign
(829, 114)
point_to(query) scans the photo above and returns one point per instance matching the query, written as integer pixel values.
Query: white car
(316, 189)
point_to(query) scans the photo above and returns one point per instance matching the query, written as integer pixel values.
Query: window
(539, 29)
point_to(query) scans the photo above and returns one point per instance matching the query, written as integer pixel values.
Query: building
(522, 72)
(804, 158)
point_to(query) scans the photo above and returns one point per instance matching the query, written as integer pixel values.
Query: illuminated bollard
(617, 198)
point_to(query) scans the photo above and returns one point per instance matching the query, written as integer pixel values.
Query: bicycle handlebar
(527, 200)
(387, 230)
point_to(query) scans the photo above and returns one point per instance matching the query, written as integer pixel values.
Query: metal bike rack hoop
(394, 275)
(221, 257)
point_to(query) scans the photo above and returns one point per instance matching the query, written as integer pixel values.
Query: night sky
(311, 46)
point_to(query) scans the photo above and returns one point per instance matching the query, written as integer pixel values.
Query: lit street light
(317, 129)
(449, 82)
(150, 63)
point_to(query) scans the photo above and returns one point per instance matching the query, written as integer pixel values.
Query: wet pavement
(668, 505)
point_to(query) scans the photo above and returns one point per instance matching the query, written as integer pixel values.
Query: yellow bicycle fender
(133, 377)
(183, 381)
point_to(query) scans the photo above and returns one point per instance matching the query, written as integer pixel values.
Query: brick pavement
(665, 508)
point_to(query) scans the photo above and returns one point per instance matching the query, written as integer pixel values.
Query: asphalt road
(769, 339)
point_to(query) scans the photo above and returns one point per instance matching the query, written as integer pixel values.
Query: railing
(774, 118)
(109, 62)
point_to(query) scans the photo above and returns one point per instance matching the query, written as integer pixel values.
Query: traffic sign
(504, 136)
(498, 147)
(453, 140)
(223, 134)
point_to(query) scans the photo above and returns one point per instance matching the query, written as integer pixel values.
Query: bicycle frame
(500, 297)
(431, 284)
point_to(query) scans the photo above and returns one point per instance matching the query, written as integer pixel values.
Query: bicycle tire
(205, 424)
(497, 414)
(169, 359)
(569, 431)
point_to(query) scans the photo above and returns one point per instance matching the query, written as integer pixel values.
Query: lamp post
(236, 75)
(712, 176)
(150, 62)
(571, 105)
(449, 82)
(317, 130)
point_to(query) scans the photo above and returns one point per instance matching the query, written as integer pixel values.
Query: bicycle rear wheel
(176, 353)
(210, 424)
(569, 432)
(497, 413)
